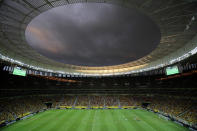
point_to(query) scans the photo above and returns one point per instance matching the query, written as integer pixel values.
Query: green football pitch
(95, 120)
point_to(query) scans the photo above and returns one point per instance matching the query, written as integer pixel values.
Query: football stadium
(98, 65)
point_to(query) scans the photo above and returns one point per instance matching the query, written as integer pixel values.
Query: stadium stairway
(187, 110)
(73, 106)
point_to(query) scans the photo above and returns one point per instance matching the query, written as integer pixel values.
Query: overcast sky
(93, 34)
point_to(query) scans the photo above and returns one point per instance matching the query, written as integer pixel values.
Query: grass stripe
(60, 120)
(77, 120)
(111, 125)
(69, 120)
(89, 122)
(157, 123)
(119, 121)
(84, 121)
(131, 118)
(145, 122)
(102, 118)
(40, 125)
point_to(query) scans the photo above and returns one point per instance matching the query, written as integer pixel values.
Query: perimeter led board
(19, 72)
(172, 70)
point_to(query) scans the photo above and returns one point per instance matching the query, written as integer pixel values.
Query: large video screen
(172, 70)
(19, 71)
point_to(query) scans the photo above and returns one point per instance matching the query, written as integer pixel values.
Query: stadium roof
(176, 20)
(93, 34)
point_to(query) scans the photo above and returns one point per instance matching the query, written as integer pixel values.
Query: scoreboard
(172, 70)
(19, 71)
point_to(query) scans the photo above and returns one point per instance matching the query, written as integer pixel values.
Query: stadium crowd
(11, 109)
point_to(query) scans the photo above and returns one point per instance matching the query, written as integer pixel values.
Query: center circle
(93, 34)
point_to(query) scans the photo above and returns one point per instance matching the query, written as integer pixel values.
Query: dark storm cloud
(93, 34)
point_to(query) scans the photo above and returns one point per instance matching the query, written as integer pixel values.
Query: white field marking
(145, 123)
(93, 124)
